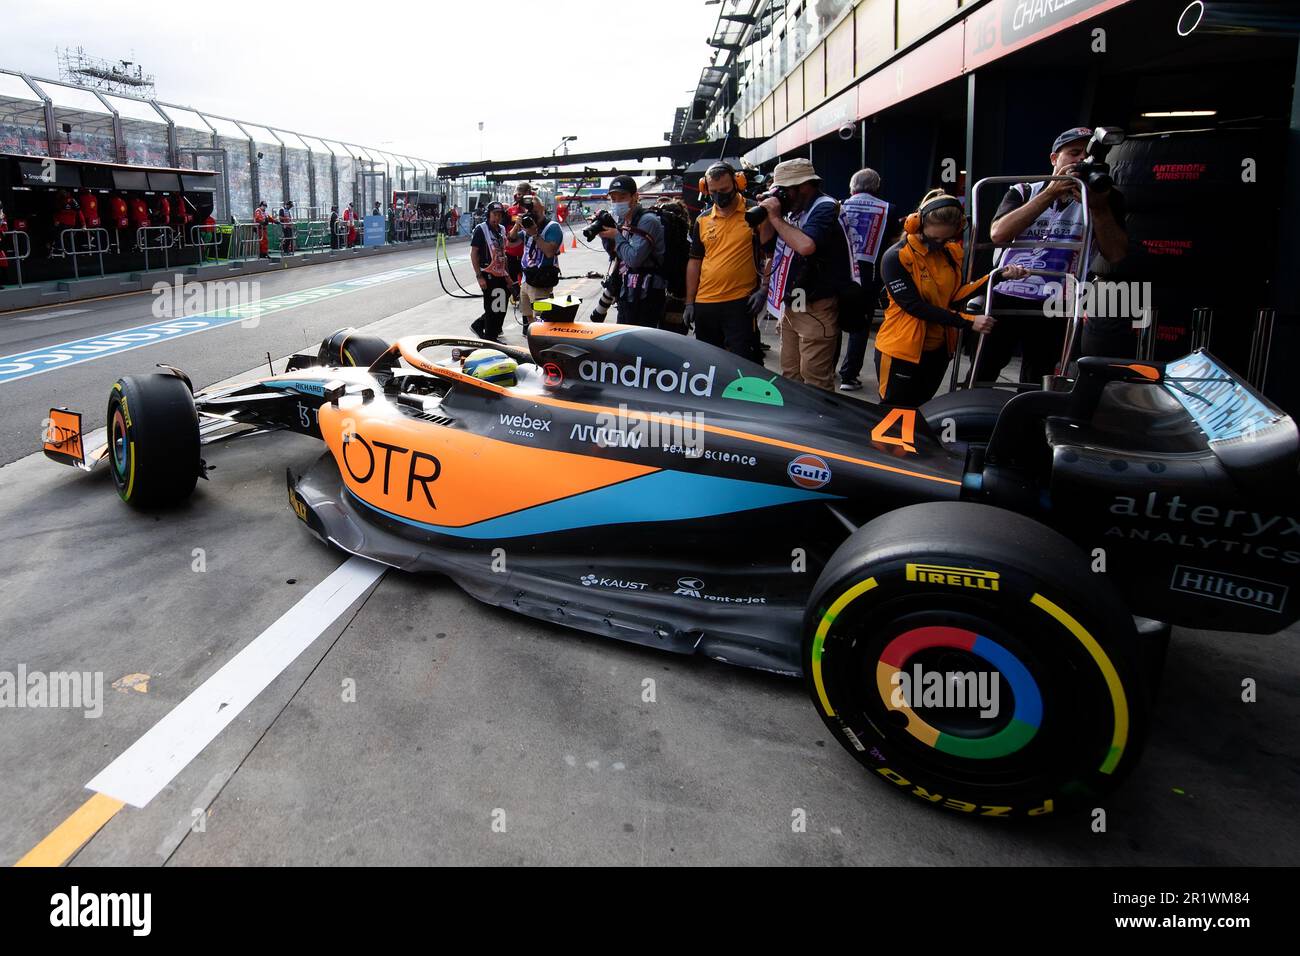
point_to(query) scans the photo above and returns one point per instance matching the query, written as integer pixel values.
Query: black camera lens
(602, 220)
(756, 216)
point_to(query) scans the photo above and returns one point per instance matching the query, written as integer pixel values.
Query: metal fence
(12, 254)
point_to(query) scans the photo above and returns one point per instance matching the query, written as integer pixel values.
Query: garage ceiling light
(1173, 113)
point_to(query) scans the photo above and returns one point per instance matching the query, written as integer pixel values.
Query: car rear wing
(64, 441)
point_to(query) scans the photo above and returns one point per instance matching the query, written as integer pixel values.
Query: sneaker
(850, 385)
(477, 328)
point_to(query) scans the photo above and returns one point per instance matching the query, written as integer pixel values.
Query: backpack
(677, 245)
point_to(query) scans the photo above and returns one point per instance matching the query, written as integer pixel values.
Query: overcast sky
(410, 77)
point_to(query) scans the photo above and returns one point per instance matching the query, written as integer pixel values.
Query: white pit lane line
(153, 761)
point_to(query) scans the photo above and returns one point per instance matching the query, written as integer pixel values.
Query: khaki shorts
(529, 294)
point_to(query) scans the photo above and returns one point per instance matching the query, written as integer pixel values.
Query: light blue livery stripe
(661, 496)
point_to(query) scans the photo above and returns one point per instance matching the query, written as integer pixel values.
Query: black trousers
(496, 303)
(1040, 337)
(646, 310)
(727, 325)
(910, 383)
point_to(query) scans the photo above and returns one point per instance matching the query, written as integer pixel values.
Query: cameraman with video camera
(1048, 212)
(635, 237)
(543, 238)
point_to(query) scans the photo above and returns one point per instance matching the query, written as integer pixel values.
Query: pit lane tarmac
(402, 722)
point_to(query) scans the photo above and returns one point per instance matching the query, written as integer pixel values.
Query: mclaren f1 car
(975, 592)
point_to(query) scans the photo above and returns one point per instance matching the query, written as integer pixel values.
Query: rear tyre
(966, 415)
(935, 602)
(153, 440)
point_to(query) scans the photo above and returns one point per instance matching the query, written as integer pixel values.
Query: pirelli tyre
(969, 657)
(153, 440)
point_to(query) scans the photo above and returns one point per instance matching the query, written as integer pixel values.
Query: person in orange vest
(261, 218)
(922, 274)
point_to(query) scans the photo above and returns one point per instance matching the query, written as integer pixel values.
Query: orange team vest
(938, 280)
(728, 270)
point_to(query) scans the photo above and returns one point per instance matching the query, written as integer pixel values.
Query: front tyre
(968, 656)
(153, 440)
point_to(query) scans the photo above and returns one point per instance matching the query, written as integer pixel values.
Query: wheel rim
(120, 442)
(908, 684)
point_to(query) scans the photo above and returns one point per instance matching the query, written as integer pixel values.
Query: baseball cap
(793, 172)
(622, 184)
(1070, 135)
(495, 207)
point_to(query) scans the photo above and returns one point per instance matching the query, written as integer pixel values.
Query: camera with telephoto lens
(1094, 170)
(608, 296)
(602, 220)
(756, 216)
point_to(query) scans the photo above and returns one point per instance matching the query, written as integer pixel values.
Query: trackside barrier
(155, 239)
(208, 239)
(12, 253)
(315, 236)
(77, 242)
(1261, 347)
(245, 240)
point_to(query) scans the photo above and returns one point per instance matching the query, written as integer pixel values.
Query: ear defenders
(739, 178)
(914, 223)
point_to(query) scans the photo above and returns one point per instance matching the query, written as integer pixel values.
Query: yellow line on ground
(69, 836)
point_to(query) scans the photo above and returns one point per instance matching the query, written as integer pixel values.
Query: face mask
(723, 200)
(619, 209)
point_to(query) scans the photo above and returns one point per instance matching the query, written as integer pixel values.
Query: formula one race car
(971, 590)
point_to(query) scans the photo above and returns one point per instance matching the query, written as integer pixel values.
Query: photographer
(636, 240)
(515, 246)
(812, 256)
(542, 242)
(487, 256)
(1046, 211)
(724, 294)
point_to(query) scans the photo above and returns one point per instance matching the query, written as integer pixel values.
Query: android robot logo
(751, 388)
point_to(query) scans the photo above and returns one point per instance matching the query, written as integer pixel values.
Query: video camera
(602, 220)
(1094, 170)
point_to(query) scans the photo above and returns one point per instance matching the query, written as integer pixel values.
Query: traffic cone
(574, 244)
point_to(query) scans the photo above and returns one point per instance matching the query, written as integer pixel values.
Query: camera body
(602, 220)
(756, 216)
(1094, 170)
